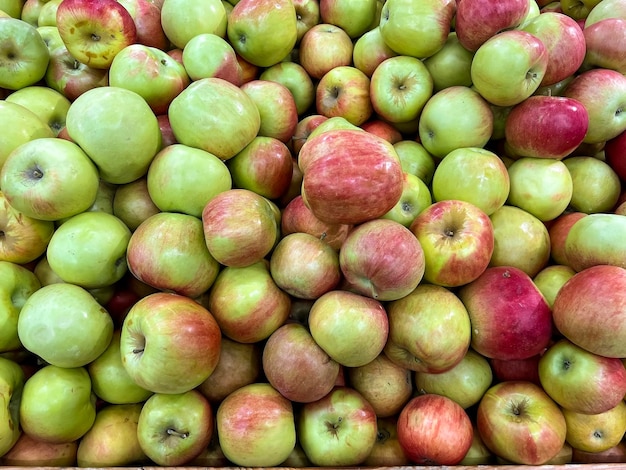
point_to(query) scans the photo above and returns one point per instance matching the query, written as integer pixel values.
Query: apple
(457, 239)
(451, 65)
(615, 454)
(415, 198)
(337, 430)
(295, 78)
(57, 404)
(296, 366)
(595, 240)
(476, 21)
(387, 452)
(588, 309)
(519, 422)
(344, 91)
(382, 129)
(51, 36)
(25, 54)
(521, 240)
(30, 452)
(181, 20)
(370, 50)
(72, 317)
(324, 47)
(596, 186)
(240, 227)
(474, 175)
(445, 123)
(415, 159)
(121, 145)
(579, 10)
(263, 32)
(12, 380)
(12, 7)
(331, 124)
(416, 30)
(581, 381)
(247, 303)
(112, 440)
(429, 330)
(210, 55)
(224, 132)
(184, 179)
(256, 426)
(239, 364)
(515, 54)
(24, 239)
(94, 32)
(478, 454)
(615, 155)
(550, 280)
(596, 432)
(149, 72)
(305, 266)
(465, 383)
(50, 105)
(610, 9)
(565, 42)
(132, 203)
(49, 179)
(602, 92)
(557, 232)
(308, 15)
(327, 159)
(546, 200)
(384, 384)
(354, 17)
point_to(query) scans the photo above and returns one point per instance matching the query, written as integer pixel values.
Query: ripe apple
(72, 317)
(308, 15)
(610, 9)
(510, 317)
(387, 452)
(27, 452)
(581, 381)
(132, 203)
(450, 66)
(296, 366)
(263, 32)
(370, 50)
(596, 186)
(94, 32)
(57, 405)
(550, 280)
(50, 105)
(594, 241)
(146, 15)
(419, 337)
(162, 331)
(615, 155)
(415, 159)
(12, 378)
(596, 432)
(519, 422)
(183, 19)
(615, 454)
(557, 232)
(516, 369)
(382, 129)
(414, 199)
(224, 132)
(351, 328)
(434, 430)
(515, 54)
(25, 54)
(209, 55)
(344, 91)
(588, 310)
(247, 303)
(256, 426)
(354, 17)
(324, 47)
(295, 78)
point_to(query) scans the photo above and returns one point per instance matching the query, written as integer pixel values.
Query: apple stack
(312, 232)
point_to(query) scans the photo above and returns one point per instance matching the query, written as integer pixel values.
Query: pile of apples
(305, 233)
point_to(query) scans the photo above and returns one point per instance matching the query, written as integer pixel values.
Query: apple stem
(174, 432)
(95, 37)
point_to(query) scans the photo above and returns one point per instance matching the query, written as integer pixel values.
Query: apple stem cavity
(175, 433)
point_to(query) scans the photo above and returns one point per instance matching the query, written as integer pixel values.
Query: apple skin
(295, 78)
(451, 65)
(595, 240)
(557, 232)
(337, 430)
(324, 47)
(132, 203)
(546, 127)
(615, 154)
(296, 366)
(510, 317)
(597, 432)
(50, 105)
(209, 55)
(72, 316)
(415, 198)
(519, 422)
(616, 454)
(344, 91)
(346, 157)
(308, 14)
(256, 426)
(387, 451)
(588, 310)
(601, 39)
(25, 54)
(370, 50)
(428, 420)
(423, 341)
(382, 259)
(597, 187)
(581, 381)
(12, 378)
(182, 19)
(94, 32)
(146, 15)
(162, 331)
(30, 452)
(550, 280)
(352, 16)
(517, 369)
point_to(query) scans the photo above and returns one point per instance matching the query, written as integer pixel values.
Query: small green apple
(415, 198)
(185, 19)
(450, 65)
(11, 388)
(50, 105)
(415, 159)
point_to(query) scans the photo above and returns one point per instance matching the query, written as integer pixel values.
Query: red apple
(558, 231)
(382, 129)
(71, 77)
(603, 40)
(516, 369)
(324, 47)
(147, 17)
(615, 153)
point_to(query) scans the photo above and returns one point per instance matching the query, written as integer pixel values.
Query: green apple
(24, 54)
(597, 432)
(11, 388)
(89, 249)
(51, 36)
(415, 159)
(308, 14)
(209, 55)
(453, 118)
(550, 280)
(451, 65)
(132, 203)
(151, 73)
(233, 123)
(474, 175)
(25, 126)
(50, 105)
(104, 198)
(47, 14)
(49, 179)
(24, 239)
(263, 32)
(293, 76)
(416, 29)
(109, 379)
(184, 19)
(112, 441)
(415, 198)
(370, 50)
(64, 325)
(578, 9)
(355, 17)
(184, 179)
(121, 144)
(12, 8)
(599, 239)
(596, 186)
(541, 186)
(17, 284)
(57, 404)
